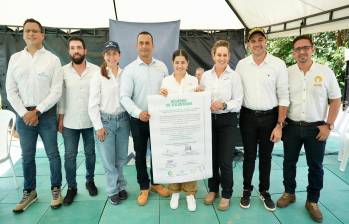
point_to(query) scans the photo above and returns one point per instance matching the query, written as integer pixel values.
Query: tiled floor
(333, 202)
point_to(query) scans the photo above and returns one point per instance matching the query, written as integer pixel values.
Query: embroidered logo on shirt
(318, 80)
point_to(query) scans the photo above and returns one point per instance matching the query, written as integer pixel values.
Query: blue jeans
(293, 138)
(71, 144)
(28, 136)
(114, 149)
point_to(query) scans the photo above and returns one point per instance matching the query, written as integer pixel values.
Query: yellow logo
(318, 80)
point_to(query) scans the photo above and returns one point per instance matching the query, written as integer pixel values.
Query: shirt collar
(140, 61)
(40, 51)
(110, 74)
(266, 59)
(227, 70)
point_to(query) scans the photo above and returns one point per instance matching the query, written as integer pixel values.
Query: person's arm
(237, 94)
(55, 88)
(12, 90)
(94, 102)
(126, 92)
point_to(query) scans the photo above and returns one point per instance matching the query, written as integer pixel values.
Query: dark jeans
(71, 144)
(222, 153)
(256, 129)
(28, 136)
(293, 138)
(140, 134)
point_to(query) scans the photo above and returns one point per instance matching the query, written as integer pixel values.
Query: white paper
(181, 139)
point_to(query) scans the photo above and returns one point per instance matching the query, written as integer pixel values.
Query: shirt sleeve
(61, 102)
(234, 104)
(55, 88)
(12, 90)
(333, 92)
(126, 91)
(94, 102)
(282, 86)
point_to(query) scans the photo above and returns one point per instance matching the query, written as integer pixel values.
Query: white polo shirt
(265, 85)
(309, 93)
(226, 88)
(188, 84)
(75, 96)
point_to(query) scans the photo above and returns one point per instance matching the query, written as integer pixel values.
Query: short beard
(78, 60)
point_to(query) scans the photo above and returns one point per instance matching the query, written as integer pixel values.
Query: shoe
(27, 199)
(143, 197)
(210, 197)
(174, 201)
(285, 200)
(267, 201)
(69, 197)
(191, 203)
(56, 201)
(161, 190)
(224, 204)
(245, 199)
(314, 211)
(115, 199)
(91, 187)
(123, 195)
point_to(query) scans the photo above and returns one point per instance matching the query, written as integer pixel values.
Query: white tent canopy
(279, 17)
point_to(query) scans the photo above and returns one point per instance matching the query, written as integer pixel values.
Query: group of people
(104, 104)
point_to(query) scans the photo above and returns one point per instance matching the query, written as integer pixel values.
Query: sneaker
(224, 204)
(210, 197)
(27, 199)
(91, 187)
(115, 199)
(285, 200)
(191, 203)
(56, 201)
(174, 201)
(161, 190)
(123, 195)
(245, 199)
(143, 197)
(314, 211)
(69, 197)
(267, 201)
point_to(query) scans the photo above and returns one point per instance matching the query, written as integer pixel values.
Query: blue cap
(111, 45)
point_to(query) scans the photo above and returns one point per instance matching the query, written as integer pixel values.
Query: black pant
(140, 134)
(222, 153)
(294, 137)
(256, 128)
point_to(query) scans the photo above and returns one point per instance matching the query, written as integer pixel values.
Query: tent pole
(236, 13)
(116, 15)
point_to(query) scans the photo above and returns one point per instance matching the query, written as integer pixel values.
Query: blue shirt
(139, 80)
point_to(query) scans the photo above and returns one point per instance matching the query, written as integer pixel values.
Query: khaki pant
(189, 188)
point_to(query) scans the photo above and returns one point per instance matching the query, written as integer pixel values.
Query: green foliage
(327, 52)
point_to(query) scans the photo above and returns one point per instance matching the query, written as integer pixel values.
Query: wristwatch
(330, 126)
(224, 106)
(281, 124)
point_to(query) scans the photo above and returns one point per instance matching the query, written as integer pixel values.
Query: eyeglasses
(305, 48)
(33, 31)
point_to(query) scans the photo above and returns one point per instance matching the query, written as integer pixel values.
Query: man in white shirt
(34, 86)
(140, 79)
(73, 118)
(309, 122)
(266, 98)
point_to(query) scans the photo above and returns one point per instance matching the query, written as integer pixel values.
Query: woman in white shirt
(226, 99)
(180, 82)
(110, 121)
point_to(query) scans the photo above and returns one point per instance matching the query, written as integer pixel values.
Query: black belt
(259, 112)
(223, 115)
(304, 123)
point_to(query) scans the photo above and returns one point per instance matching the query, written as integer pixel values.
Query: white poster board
(181, 137)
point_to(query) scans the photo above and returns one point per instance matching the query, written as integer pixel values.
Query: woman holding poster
(180, 82)
(226, 99)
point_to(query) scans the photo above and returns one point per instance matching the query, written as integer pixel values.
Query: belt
(304, 123)
(259, 112)
(113, 116)
(223, 115)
